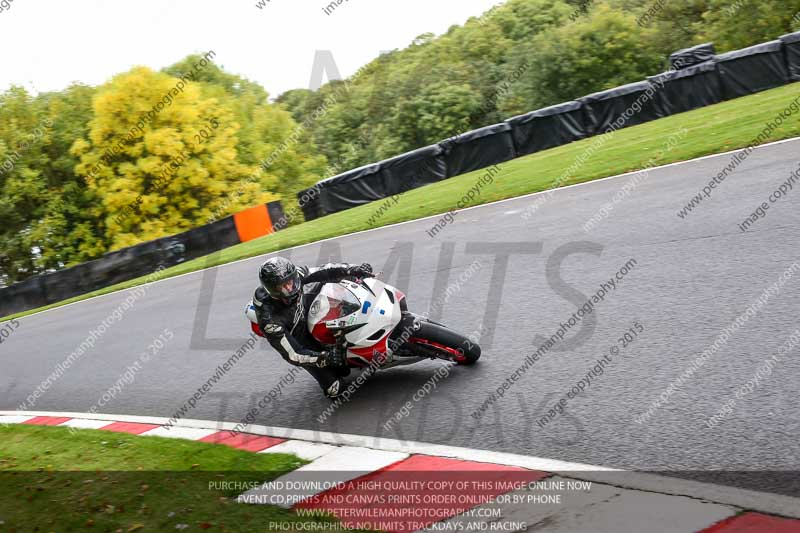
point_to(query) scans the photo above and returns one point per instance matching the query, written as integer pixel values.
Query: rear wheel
(446, 344)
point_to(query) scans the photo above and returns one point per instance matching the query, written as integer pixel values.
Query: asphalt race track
(692, 278)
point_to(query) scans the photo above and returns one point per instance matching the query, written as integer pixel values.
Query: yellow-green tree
(24, 131)
(162, 158)
(269, 138)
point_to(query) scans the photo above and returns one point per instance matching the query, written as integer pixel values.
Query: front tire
(450, 344)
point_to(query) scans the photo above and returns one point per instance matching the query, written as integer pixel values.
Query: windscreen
(341, 302)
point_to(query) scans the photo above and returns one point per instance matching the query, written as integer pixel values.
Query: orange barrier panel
(253, 223)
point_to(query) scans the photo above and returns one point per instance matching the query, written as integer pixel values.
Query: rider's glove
(323, 359)
(362, 271)
(339, 355)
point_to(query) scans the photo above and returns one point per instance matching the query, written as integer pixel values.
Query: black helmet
(280, 279)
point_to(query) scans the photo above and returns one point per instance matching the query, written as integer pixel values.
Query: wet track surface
(692, 278)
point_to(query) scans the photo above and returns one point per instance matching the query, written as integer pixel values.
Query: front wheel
(445, 344)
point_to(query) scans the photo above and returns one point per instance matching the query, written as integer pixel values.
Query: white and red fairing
(250, 313)
(373, 305)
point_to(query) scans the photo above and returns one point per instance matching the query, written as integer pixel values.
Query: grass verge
(57, 479)
(709, 130)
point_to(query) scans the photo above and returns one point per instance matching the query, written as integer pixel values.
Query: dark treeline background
(519, 56)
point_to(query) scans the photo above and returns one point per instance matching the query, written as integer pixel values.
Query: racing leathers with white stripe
(284, 325)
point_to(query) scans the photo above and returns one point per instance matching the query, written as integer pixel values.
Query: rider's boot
(335, 389)
(329, 379)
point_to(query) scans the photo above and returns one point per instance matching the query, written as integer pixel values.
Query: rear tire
(469, 352)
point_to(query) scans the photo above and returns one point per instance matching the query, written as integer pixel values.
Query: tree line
(148, 154)
(88, 170)
(520, 56)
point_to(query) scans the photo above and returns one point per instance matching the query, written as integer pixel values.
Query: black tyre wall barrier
(697, 82)
(688, 88)
(791, 49)
(478, 149)
(373, 182)
(413, 169)
(698, 78)
(118, 266)
(692, 56)
(276, 215)
(310, 203)
(547, 128)
(628, 105)
(350, 189)
(753, 69)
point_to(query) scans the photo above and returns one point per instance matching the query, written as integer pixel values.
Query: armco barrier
(698, 78)
(140, 260)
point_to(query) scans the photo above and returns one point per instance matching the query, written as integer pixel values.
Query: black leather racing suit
(285, 325)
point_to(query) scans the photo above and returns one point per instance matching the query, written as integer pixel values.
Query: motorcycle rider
(281, 306)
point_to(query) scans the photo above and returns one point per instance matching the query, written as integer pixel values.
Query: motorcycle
(372, 320)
